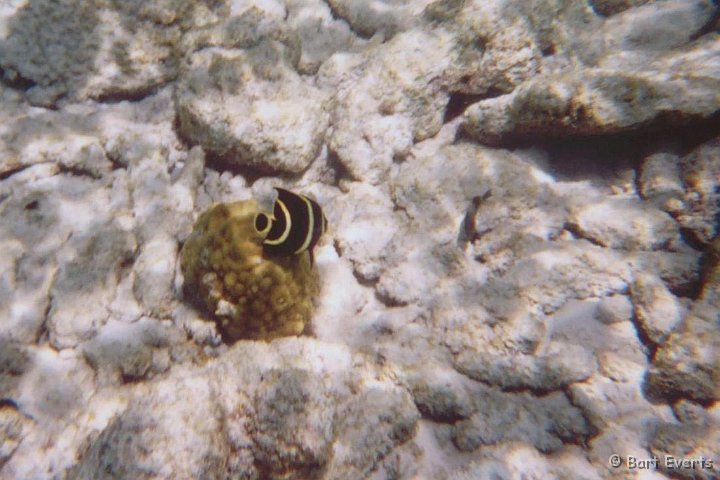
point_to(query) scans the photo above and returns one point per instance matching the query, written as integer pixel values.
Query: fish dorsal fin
(265, 196)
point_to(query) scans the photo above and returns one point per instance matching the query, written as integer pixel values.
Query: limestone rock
(612, 7)
(626, 224)
(322, 33)
(85, 283)
(545, 424)
(381, 17)
(657, 27)
(129, 352)
(679, 270)
(439, 398)
(294, 424)
(390, 89)
(94, 49)
(13, 427)
(383, 419)
(158, 436)
(252, 109)
(660, 180)
(604, 99)
(615, 308)
(487, 61)
(518, 460)
(692, 346)
(695, 438)
(701, 176)
(518, 312)
(225, 425)
(55, 387)
(657, 311)
(361, 238)
(154, 275)
(688, 364)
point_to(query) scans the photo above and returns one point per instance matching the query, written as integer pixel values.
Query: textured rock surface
(95, 49)
(696, 435)
(284, 413)
(610, 92)
(688, 365)
(252, 109)
(520, 278)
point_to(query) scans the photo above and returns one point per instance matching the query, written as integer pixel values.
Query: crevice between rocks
(42, 334)
(12, 171)
(340, 169)
(450, 418)
(365, 282)
(594, 430)
(16, 81)
(535, 392)
(578, 233)
(222, 162)
(389, 301)
(650, 348)
(136, 95)
(337, 16)
(459, 102)
(708, 263)
(710, 26)
(603, 152)
(665, 396)
(115, 161)
(77, 171)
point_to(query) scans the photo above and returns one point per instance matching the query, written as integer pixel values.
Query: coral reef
(252, 296)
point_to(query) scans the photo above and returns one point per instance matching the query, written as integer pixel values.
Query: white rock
(517, 460)
(95, 50)
(660, 180)
(251, 108)
(615, 308)
(389, 88)
(701, 173)
(379, 16)
(321, 33)
(627, 224)
(365, 229)
(606, 99)
(656, 27)
(154, 275)
(85, 284)
(658, 312)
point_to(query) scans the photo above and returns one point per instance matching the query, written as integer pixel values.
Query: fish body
(296, 224)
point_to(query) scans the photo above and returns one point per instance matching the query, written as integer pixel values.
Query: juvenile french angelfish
(296, 225)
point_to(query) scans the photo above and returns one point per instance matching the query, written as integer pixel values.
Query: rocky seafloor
(520, 278)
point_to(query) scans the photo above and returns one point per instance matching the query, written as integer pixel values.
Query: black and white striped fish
(296, 225)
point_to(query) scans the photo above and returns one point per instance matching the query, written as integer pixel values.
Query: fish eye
(262, 223)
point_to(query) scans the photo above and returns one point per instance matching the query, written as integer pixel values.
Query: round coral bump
(248, 294)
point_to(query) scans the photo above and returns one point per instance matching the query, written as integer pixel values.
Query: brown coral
(250, 296)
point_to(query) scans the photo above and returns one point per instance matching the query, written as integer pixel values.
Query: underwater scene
(359, 239)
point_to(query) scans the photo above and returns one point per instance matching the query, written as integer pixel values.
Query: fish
(295, 226)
